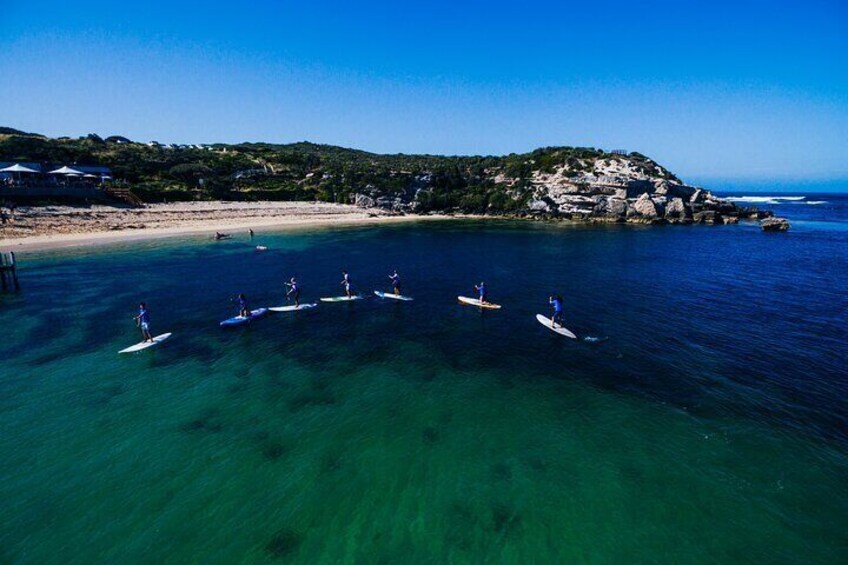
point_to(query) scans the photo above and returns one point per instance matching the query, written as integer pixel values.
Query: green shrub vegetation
(307, 171)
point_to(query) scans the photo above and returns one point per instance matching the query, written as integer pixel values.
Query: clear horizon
(746, 94)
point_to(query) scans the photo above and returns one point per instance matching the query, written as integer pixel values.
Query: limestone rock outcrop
(775, 224)
(611, 188)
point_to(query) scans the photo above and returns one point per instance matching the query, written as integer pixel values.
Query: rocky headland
(607, 188)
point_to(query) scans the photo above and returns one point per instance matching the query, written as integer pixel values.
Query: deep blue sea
(704, 420)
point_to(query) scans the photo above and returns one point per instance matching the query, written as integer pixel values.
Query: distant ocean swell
(774, 200)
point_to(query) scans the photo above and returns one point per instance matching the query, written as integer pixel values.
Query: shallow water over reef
(708, 424)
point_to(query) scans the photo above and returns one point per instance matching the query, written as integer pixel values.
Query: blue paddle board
(239, 320)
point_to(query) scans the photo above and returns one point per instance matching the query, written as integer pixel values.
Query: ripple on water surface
(709, 426)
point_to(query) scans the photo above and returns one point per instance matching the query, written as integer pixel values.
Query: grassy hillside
(306, 171)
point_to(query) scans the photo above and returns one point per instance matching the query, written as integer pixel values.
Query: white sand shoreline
(57, 227)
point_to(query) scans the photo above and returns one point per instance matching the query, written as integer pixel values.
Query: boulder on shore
(775, 224)
(708, 217)
(540, 206)
(646, 208)
(697, 197)
(677, 211)
(617, 208)
(363, 200)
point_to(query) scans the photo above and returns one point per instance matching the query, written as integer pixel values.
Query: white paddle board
(239, 320)
(476, 302)
(341, 298)
(145, 344)
(291, 308)
(393, 296)
(561, 330)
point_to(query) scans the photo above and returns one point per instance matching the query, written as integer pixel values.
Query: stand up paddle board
(145, 344)
(239, 320)
(561, 330)
(292, 308)
(393, 296)
(476, 302)
(341, 298)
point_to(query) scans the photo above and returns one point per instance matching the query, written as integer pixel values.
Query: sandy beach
(42, 227)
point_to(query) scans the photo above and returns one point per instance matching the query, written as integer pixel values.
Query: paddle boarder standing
(244, 311)
(294, 289)
(484, 292)
(395, 278)
(346, 283)
(555, 301)
(143, 322)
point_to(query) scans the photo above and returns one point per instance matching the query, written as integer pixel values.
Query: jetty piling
(8, 272)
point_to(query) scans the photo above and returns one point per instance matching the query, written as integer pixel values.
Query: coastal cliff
(574, 183)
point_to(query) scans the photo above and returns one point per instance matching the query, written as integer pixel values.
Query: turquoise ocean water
(707, 424)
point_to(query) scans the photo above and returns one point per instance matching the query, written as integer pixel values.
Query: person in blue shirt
(143, 322)
(244, 310)
(555, 301)
(294, 290)
(346, 283)
(484, 292)
(395, 278)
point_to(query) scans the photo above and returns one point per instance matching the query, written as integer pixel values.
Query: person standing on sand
(294, 289)
(555, 300)
(346, 283)
(143, 322)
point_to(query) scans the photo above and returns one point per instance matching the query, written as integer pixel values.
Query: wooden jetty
(8, 272)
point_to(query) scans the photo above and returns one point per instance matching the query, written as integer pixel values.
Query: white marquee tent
(17, 168)
(66, 171)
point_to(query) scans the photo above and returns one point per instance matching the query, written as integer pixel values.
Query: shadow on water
(284, 543)
(208, 422)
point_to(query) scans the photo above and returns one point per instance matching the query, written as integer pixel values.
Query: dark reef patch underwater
(709, 426)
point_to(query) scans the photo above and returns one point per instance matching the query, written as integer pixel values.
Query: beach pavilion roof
(66, 171)
(17, 168)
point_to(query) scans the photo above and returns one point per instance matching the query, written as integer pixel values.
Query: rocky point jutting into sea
(611, 188)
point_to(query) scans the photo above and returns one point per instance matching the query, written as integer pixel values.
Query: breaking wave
(765, 199)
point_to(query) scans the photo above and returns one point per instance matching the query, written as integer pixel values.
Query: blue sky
(742, 91)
